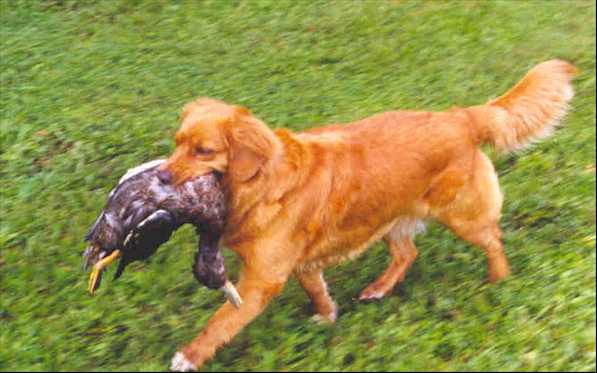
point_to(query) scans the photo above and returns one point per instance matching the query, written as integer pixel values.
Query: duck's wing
(144, 239)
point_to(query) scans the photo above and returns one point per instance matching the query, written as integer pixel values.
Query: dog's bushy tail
(529, 111)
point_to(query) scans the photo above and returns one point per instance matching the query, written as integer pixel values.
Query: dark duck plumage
(142, 213)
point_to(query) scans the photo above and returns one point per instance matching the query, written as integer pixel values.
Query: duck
(144, 210)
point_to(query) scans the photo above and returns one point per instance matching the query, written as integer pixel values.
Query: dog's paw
(181, 364)
(371, 294)
(325, 319)
(322, 320)
(327, 314)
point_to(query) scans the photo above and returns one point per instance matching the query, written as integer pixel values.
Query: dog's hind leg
(474, 215)
(316, 289)
(487, 236)
(403, 252)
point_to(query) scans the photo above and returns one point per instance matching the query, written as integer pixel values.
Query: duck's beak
(232, 294)
(95, 276)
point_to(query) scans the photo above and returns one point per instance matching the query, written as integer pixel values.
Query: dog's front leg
(256, 289)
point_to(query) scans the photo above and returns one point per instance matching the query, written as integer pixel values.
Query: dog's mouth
(98, 259)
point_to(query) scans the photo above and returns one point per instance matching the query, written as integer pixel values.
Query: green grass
(91, 88)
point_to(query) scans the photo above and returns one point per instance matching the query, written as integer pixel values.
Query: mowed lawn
(92, 88)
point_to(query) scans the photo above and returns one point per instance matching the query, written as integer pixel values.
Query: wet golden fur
(300, 202)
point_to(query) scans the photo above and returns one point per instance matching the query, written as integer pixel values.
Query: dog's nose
(165, 176)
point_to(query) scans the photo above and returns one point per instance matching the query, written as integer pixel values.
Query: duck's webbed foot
(96, 273)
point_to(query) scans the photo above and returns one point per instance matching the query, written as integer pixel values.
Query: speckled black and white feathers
(142, 213)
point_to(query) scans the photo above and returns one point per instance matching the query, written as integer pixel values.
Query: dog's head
(215, 136)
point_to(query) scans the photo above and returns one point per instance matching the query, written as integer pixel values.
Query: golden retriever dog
(300, 202)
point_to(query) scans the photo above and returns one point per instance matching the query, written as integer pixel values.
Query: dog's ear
(250, 146)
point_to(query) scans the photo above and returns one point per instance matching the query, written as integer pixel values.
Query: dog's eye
(199, 150)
